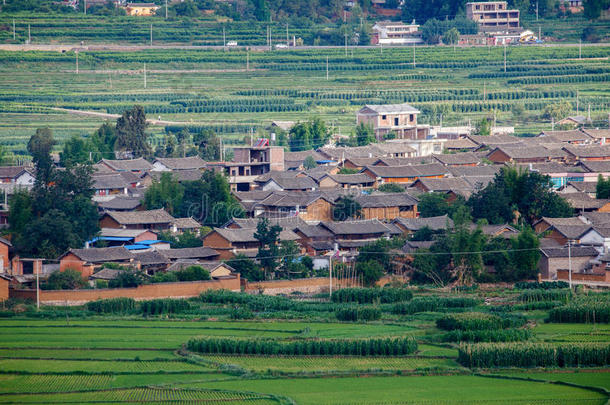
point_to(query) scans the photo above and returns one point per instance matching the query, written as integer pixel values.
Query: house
(358, 163)
(218, 270)
(597, 167)
(400, 119)
(496, 231)
(410, 225)
(230, 242)
(311, 206)
(20, 175)
(460, 145)
(529, 154)
(294, 160)
(4, 285)
(250, 162)
(458, 159)
(492, 14)
(582, 202)
(203, 253)
(150, 261)
(474, 171)
(554, 260)
(286, 223)
(574, 137)
(395, 33)
(589, 152)
(138, 165)
(598, 237)
(404, 174)
(387, 206)
(587, 187)
(350, 235)
(600, 136)
(23, 266)
(183, 163)
(120, 237)
(286, 181)
(121, 203)
(109, 185)
(601, 219)
(250, 200)
(5, 262)
(86, 260)
(180, 225)
(453, 186)
(141, 9)
(562, 234)
(151, 219)
(179, 175)
(545, 223)
(358, 180)
(574, 121)
(316, 239)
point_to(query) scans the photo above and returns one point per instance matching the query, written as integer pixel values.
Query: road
(115, 116)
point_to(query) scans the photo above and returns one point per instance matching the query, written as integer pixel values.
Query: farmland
(236, 92)
(52, 357)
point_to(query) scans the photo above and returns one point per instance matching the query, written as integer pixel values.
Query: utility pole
(29, 35)
(484, 92)
(151, 34)
(580, 49)
(14, 36)
(504, 57)
(346, 44)
(287, 40)
(144, 74)
(37, 289)
(327, 68)
(221, 149)
(577, 102)
(85, 8)
(270, 44)
(570, 262)
(166, 9)
(330, 275)
(224, 39)
(413, 56)
(247, 61)
(536, 11)
(76, 52)
(539, 34)
(381, 48)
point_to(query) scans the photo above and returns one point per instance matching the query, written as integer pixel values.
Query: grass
(87, 354)
(572, 332)
(429, 389)
(589, 378)
(313, 364)
(85, 366)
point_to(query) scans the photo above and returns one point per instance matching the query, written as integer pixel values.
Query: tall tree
(76, 150)
(166, 193)
(269, 239)
(364, 134)
(308, 135)
(132, 139)
(103, 140)
(39, 147)
(602, 189)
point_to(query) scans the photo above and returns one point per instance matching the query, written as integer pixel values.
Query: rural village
(315, 202)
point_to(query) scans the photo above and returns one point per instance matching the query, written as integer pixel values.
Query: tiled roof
(302, 155)
(294, 183)
(566, 136)
(150, 257)
(189, 253)
(122, 233)
(550, 167)
(461, 143)
(575, 251)
(571, 231)
(138, 164)
(446, 184)
(530, 152)
(580, 201)
(255, 195)
(442, 222)
(494, 139)
(101, 255)
(391, 108)
(183, 163)
(596, 166)
(476, 171)
(588, 151)
(364, 227)
(13, 171)
(289, 223)
(358, 178)
(109, 181)
(159, 216)
(597, 218)
(584, 186)
(247, 235)
(571, 221)
(292, 199)
(597, 133)
(106, 274)
(186, 223)
(314, 231)
(458, 158)
(432, 169)
(378, 200)
(120, 203)
(180, 175)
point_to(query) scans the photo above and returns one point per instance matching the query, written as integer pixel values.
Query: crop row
(562, 79)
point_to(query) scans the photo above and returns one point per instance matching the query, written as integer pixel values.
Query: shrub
(126, 279)
(353, 314)
(486, 355)
(241, 313)
(475, 336)
(430, 304)
(329, 347)
(470, 321)
(545, 295)
(68, 279)
(582, 312)
(112, 306)
(545, 285)
(369, 295)
(193, 273)
(164, 306)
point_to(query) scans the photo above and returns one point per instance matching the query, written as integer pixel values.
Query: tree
(246, 267)
(391, 188)
(309, 163)
(308, 135)
(483, 127)
(376, 251)
(590, 34)
(39, 147)
(602, 190)
(437, 204)
(126, 279)
(493, 203)
(365, 134)
(166, 193)
(208, 144)
(434, 29)
(193, 273)
(76, 150)
(184, 9)
(525, 254)
(424, 10)
(593, 8)
(132, 140)
(69, 279)
(370, 272)
(103, 140)
(557, 111)
(48, 236)
(20, 211)
(187, 239)
(268, 238)
(451, 37)
(346, 208)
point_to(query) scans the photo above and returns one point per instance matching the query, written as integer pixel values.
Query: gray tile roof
(255, 195)
(180, 175)
(432, 169)
(580, 201)
(159, 216)
(247, 235)
(202, 252)
(106, 274)
(461, 143)
(138, 164)
(551, 167)
(442, 222)
(464, 158)
(476, 171)
(122, 203)
(597, 218)
(101, 255)
(379, 200)
(584, 186)
(596, 166)
(571, 231)
(454, 184)
(566, 136)
(314, 231)
(186, 223)
(572, 221)
(122, 233)
(183, 163)
(588, 151)
(575, 251)
(353, 179)
(390, 108)
(530, 152)
(13, 171)
(597, 133)
(288, 223)
(151, 257)
(363, 227)
(292, 199)
(294, 183)
(109, 181)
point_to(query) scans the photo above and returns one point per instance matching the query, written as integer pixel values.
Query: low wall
(143, 292)
(313, 285)
(590, 277)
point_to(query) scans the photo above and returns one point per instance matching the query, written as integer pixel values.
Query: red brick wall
(143, 292)
(148, 235)
(595, 278)
(4, 289)
(107, 222)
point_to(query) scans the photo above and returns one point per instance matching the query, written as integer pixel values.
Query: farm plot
(85, 366)
(313, 364)
(589, 378)
(59, 353)
(572, 332)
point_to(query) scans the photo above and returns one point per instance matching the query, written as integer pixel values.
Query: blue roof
(115, 238)
(136, 247)
(151, 242)
(325, 161)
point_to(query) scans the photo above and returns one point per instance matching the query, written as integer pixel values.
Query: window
(411, 117)
(383, 117)
(396, 121)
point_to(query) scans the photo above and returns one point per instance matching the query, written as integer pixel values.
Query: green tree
(557, 111)
(69, 279)
(166, 193)
(451, 37)
(20, 211)
(346, 208)
(269, 239)
(365, 134)
(103, 140)
(391, 188)
(525, 254)
(131, 137)
(593, 8)
(246, 267)
(376, 251)
(126, 279)
(309, 163)
(39, 147)
(483, 127)
(208, 144)
(186, 239)
(370, 272)
(47, 236)
(308, 135)
(76, 150)
(602, 189)
(437, 204)
(193, 273)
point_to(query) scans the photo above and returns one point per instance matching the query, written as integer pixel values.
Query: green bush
(563, 295)
(432, 304)
(581, 312)
(485, 355)
(241, 313)
(369, 295)
(329, 347)
(545, 285)
(475, 336)
(470, 321)
(112, 306)
(354, 314)
(164, 306)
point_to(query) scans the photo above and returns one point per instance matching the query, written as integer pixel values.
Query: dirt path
(115, 116)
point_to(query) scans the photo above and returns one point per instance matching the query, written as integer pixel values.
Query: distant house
(5, 262)
(199, 253)
(453, 186)
(358, 180)
(138, 165)
(312, 206)
(289, 183)
(251, 162)
(230, 242)
(350, 235)
(294, 160)
(395, 33)
(400, 119)
(545, 223)
(315, 239)
(113, 236)
(86, 260)
(582, 202)
(591, 152)
(574, 137)
(458, 159)
(530, 154)
(553, 260)
(109, 185)
(410, 225)
(183, 163)
(387, 206)
(492, 14)
(141, 9)
(121, 203)
(152, 219)
(574, 121)
(20, 175)
(601, 136)
(404, 174)
(180, 225)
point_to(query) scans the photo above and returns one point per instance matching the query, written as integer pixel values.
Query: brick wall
(143, 292)
(590, 277)
(307, 285)
(4, 294)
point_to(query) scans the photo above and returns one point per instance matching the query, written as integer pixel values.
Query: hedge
(164, 306)
(534, 355)
(369, 295)
(545, 285)
(430, 304)
(354, 314)
(475, 336)
(354, 347)
(112, 306)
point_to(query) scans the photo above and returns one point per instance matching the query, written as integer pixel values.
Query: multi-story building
(491, 14)
(401, 119)
(395, 33)
(250, 162)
